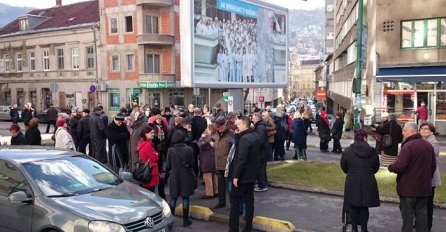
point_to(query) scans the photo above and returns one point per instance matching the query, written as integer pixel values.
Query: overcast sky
(291, 4)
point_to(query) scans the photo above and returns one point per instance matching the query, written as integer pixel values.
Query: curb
(258, 222)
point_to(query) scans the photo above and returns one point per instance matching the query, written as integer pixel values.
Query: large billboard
(233, 44)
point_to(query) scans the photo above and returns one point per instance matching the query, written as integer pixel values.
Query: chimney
(58, 3)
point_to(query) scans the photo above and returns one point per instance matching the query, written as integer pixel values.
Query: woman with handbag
(147, 153)
(182, 180)
(207, 162)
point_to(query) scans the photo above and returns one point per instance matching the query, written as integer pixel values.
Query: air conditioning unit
(102, 87)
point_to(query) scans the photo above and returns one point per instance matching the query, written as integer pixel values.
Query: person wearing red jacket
(147, 153)
(421, 113)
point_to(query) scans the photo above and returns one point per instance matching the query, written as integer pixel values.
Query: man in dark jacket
(52, 117)
(14, 113)
(260, 129)
(281, 121)
(117, 133)
(323, 129)
(243, 172)
(27, 114)
(336, 133)
(223, 143)
(83, 132)
(97, 135)
(199, 125)
(415, 167)
(73, 123)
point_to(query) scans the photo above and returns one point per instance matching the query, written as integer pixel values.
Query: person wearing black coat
(299, 137)
(117, 133)
(360, 162)
(14, 113)
(336, 133)
(27, 114)
(83, 132)
(323, 129)
(32, 135)
(260, 129)
(243, 172)
(17, 137)
(97, 135)
(182, 180)
(281, 121)
(389, 126)
(199, 125)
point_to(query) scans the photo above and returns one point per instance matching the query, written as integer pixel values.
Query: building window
(32, 61)
(128, 24)
(113, 25)
(90, 57)
(19, 62)
(115, 63)
(115, 103)
(130, 61)
(152, 63)
(7, 62)
(151, 26)
(75, 58)
(425, 33)
(60, 59)
(23, 24)
(46, 60)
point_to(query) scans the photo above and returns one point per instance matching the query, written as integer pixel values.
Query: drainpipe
(95, 47)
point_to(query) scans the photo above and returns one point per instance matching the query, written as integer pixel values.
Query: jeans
(413, 207)
(173, 203)
(269, 152)
(244, 192)
(221, 187)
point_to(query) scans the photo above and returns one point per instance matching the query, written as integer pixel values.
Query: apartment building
(49, 56)
(302, 78)
(329, 27)
(407, 59)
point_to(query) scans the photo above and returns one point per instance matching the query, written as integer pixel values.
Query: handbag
(386, 140)
(189, 168)
(143, 171)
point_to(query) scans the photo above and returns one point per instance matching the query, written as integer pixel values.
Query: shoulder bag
(386, 140)
(143, 171)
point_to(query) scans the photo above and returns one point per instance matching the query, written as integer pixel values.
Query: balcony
(155, 3)
(156, 39)
(157, 77)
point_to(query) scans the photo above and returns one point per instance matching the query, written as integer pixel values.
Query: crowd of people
(237, 48)
(230, 152)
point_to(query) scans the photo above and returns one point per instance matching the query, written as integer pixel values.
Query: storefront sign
(157, 85)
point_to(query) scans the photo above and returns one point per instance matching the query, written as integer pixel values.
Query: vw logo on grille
(149, 222)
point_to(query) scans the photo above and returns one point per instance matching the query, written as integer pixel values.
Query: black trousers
(413, 207)
(243, 192)
(279, 149)
(221, 187)
(98, 151)
(323, 144)
(262, 180)
(430, 209)
(337, 145)
(359, 216)
(83, 146)
(50, 122)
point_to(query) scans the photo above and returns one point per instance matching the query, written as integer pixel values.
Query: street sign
(225, 96)
(54, 88)
(92, 88)
(261, 99)
(321, 94)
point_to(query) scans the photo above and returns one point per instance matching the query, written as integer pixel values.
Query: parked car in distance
(50, 189)
(43, 116)
(5, 113)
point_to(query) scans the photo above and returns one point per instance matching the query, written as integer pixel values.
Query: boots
(304, 154)
(186, 220)
(295, 155)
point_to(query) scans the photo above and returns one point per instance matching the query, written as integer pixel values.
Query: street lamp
(358, 68)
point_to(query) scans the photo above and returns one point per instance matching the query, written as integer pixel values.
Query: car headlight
(100, 226)
(166, 209)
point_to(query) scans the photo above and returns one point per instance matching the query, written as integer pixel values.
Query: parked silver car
(48, 189)
(5, 113)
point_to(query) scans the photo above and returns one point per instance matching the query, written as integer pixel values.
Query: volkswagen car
(47, 189)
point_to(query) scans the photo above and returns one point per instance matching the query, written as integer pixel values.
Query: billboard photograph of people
(238, 43)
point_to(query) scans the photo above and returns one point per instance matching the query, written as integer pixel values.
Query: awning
(412, 74)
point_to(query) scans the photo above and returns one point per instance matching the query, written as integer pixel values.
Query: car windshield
(68, 176)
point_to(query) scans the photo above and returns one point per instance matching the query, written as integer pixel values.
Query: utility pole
(358, 73)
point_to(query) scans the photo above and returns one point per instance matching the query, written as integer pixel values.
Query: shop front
(407, 88)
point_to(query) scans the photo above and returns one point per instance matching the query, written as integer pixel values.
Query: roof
(59, 17)
(21, 154)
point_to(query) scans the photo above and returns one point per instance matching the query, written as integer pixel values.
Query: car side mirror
(19, 197)
(126, 176)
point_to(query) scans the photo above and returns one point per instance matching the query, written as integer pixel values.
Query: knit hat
(60, 123)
